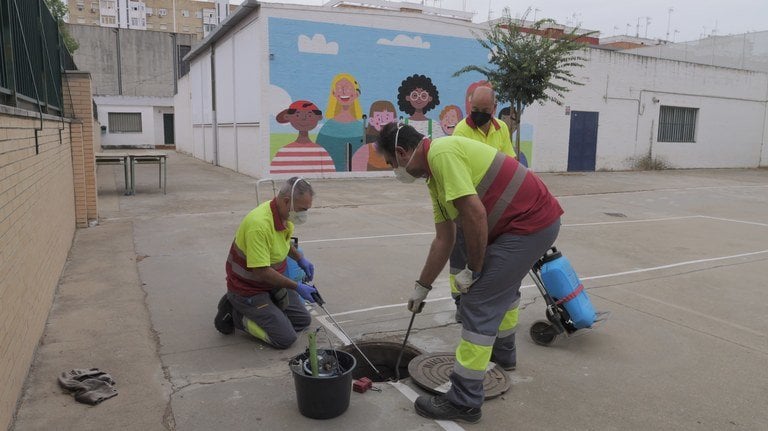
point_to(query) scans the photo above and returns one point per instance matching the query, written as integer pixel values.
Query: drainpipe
(119, 63)
(215, 131)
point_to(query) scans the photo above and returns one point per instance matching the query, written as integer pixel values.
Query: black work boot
(438, 407)
(223, 320)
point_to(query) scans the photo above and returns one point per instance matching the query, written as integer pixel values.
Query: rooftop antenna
(669, 19)
(490, 11)
(647, 22)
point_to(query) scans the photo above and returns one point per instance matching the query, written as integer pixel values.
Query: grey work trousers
(260, 317)
(507, 261)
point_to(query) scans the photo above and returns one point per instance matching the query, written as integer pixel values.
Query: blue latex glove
(306, 291)
(308, 268)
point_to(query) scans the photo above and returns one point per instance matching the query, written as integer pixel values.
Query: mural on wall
(342, 134)
(302, 155)
(449, 118)
(360, 70)
(366, 158)
(416, 96)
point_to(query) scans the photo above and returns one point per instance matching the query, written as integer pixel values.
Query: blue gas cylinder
(562, 284)
(293, 271)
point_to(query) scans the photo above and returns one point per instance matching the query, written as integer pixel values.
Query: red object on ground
(362, 384)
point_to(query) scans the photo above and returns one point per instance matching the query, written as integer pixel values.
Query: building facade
(361, 68)
(173, 16)
(135, 75)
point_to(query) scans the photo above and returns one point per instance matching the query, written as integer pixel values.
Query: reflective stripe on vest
(498, 187)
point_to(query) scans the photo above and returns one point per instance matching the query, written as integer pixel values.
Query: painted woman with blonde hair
(344, 129)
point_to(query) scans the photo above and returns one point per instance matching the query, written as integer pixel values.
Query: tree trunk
(519, 114)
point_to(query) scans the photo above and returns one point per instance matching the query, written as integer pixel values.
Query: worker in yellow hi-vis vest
(509, 220)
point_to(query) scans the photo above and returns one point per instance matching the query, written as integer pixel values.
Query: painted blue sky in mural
(306, 55)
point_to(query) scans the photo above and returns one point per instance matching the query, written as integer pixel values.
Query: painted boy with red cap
(302, 155)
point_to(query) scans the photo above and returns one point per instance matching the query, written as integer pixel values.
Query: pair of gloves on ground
(464, 281)
(280, 296)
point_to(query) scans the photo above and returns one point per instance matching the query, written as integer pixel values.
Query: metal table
(115, 158)
(150, 158)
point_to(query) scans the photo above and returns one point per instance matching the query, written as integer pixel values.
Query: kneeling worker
(509, 220)
(260, 299)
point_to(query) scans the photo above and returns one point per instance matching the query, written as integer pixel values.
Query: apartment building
(173, 16)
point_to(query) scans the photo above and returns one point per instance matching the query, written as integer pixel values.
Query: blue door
(582, 143)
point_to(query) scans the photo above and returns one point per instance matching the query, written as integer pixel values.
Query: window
(81, 20)
(677, 124)
(183, 66)
(199, 14)
(185, 13)
(108, 20)
(163, 27)
(135, 22)
(124, 122)
(162, 12)
(185, 29)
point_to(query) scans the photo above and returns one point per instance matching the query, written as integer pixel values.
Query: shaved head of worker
(483, 106)
(264, 297)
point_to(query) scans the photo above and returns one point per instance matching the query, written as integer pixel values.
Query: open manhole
(432, 372)
(383, 354)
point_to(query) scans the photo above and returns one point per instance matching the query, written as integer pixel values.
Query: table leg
(165, 173)
(133, 178)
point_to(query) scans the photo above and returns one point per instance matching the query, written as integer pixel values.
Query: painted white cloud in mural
(279, 99)
(317, 45)
(407, 41)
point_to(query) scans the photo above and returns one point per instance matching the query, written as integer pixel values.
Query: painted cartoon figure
(449, 117)
(416, 96)
(301, 155)
(367, 158)
(344, 127)
(470, 90)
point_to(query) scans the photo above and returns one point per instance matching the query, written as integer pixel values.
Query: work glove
(280, 297)
(465, 279)
(420, 292)
(306, 292)
(308, 268)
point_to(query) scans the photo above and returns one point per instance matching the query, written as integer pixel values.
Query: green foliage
(525, 67)
(59, 10)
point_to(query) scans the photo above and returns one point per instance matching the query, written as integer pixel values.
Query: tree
(529, 63)
(59, 10)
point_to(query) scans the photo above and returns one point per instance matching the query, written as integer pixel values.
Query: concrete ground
(678, 257)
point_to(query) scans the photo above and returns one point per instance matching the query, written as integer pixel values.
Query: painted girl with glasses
(416, 96)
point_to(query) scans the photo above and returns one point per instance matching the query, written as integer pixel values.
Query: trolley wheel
(542, 333)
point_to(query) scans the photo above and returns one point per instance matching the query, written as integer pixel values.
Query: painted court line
(600, 223)
(592, 277)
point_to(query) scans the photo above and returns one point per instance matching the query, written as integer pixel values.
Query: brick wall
(36, 230)
(47, 188)
(79, 107)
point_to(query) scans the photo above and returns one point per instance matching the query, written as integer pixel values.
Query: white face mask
(400, 173)
(296, 217)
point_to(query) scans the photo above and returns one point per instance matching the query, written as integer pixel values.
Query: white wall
(623, 87)
(182, 103)
(731, 128)
(151, 110)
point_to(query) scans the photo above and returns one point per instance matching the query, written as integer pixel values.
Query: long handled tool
(402, 349)
(319, 301)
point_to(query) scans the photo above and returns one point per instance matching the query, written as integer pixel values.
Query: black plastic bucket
(323, 397)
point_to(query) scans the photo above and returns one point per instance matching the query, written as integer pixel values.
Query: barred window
(124, 122)
(677, 124)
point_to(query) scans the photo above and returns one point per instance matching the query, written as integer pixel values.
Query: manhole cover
(431, 371)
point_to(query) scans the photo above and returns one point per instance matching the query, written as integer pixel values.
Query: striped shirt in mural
(302, 158)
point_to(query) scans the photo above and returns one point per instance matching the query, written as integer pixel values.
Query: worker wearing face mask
(509, 220)
(260, 299)
(481, 126)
